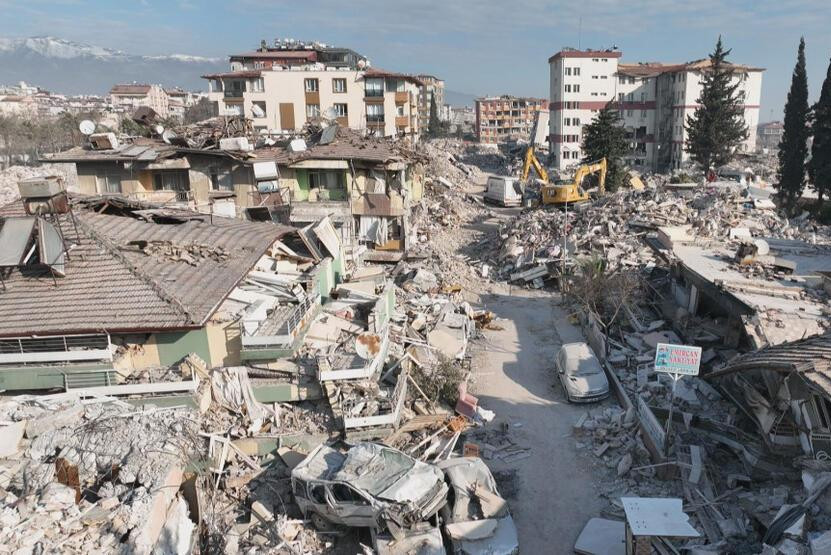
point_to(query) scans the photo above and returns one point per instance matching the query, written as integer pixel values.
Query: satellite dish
(367, 345)
(87, 127)
(361, 64)
(159, 129)
(167, 135)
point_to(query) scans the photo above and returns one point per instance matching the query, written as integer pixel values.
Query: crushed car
(370, 485)
(476, 519)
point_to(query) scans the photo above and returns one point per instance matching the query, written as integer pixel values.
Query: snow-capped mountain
(70, 67)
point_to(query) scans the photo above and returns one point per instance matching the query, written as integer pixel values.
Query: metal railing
(288, 329)
(63, 348)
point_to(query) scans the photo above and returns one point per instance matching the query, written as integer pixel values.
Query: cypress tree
(793, 149)
(717, 126)
(605, 138)
(434, 125)
(819, 167)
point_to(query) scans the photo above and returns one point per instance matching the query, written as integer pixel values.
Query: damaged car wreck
(406, 503)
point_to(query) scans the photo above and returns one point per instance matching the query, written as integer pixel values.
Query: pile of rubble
(613, 228)
(11, 176)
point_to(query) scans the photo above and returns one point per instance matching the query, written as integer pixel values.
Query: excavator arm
(531, 160)
(592, 168)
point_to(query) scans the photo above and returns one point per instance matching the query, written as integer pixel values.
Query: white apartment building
(283, 98)
(654, 99)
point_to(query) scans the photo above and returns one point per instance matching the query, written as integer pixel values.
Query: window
(399, 110)
(568, 71)
(567, 88)
(567, 121)
(345, 494)
(339, 85)
(258, 65)
(257, 85)
(604, 76)
(216, 85)
(258, 109)
(176, 180)
(620, 97)
(575, 121)
(595, 77)
(594, 94)
(374, 87)
(643, 97)
(330, 180)
(375, 113)
(576, 88)
(311, 85)
(576, 71)
(631, 80)
(341, 110)
(318, 494)
(108, 183)
(605, 59)
(630, 97)
(221, 180)
(312, 110)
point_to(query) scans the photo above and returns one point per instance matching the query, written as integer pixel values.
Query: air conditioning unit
(103, 141)
(40, 187)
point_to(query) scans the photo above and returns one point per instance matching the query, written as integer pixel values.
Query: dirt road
(555, 494)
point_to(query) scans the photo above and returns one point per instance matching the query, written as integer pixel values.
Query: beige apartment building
(500, 119)
(654, 99)
(282, 87)
(129, 97)
(432, 87)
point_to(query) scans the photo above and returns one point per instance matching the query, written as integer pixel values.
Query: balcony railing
(233, 93)
(375, 119)
(374, 93)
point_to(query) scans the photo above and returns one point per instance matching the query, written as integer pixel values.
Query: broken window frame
(171, 180)
(330, 180)
(222, 179)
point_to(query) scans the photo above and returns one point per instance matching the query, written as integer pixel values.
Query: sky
(478, 47)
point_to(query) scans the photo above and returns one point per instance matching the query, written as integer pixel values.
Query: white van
(506, 191)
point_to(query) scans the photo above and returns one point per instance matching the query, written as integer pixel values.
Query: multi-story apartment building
(654, 99)
(500, 119)
(129, 97)
(432, 87)
(282, 88)
(769, 135)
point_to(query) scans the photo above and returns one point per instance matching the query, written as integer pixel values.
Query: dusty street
(555, 492)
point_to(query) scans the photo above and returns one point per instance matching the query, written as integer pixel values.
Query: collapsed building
(366, 185)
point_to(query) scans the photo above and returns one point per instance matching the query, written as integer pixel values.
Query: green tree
(819, 167)
(717, 126)
(605, 138)
(793, 149)
(434, 127)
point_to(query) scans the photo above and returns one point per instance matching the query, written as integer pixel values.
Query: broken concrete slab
(602, 537)
(10, 437)
(472, 529)
(69, 415)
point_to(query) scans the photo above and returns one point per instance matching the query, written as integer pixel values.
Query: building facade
(769, 135)
(500, 119)
(655, 100)
(282, 88)
(128, 98)
(432, 87)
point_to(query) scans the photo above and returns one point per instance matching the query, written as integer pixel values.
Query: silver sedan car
(581, 374)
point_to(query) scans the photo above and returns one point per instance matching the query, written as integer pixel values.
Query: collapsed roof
(132, 267)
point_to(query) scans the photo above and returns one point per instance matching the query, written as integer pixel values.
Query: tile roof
(130, 89)
(113, 285)
(648, 69)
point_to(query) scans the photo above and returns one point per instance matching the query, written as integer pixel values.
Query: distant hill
(454, 98)
(68, 67)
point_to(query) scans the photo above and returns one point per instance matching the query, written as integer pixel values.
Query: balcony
(233, 93)
(375, 120)
(402, 97)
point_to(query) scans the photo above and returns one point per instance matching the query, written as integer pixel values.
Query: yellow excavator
(564, 192)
